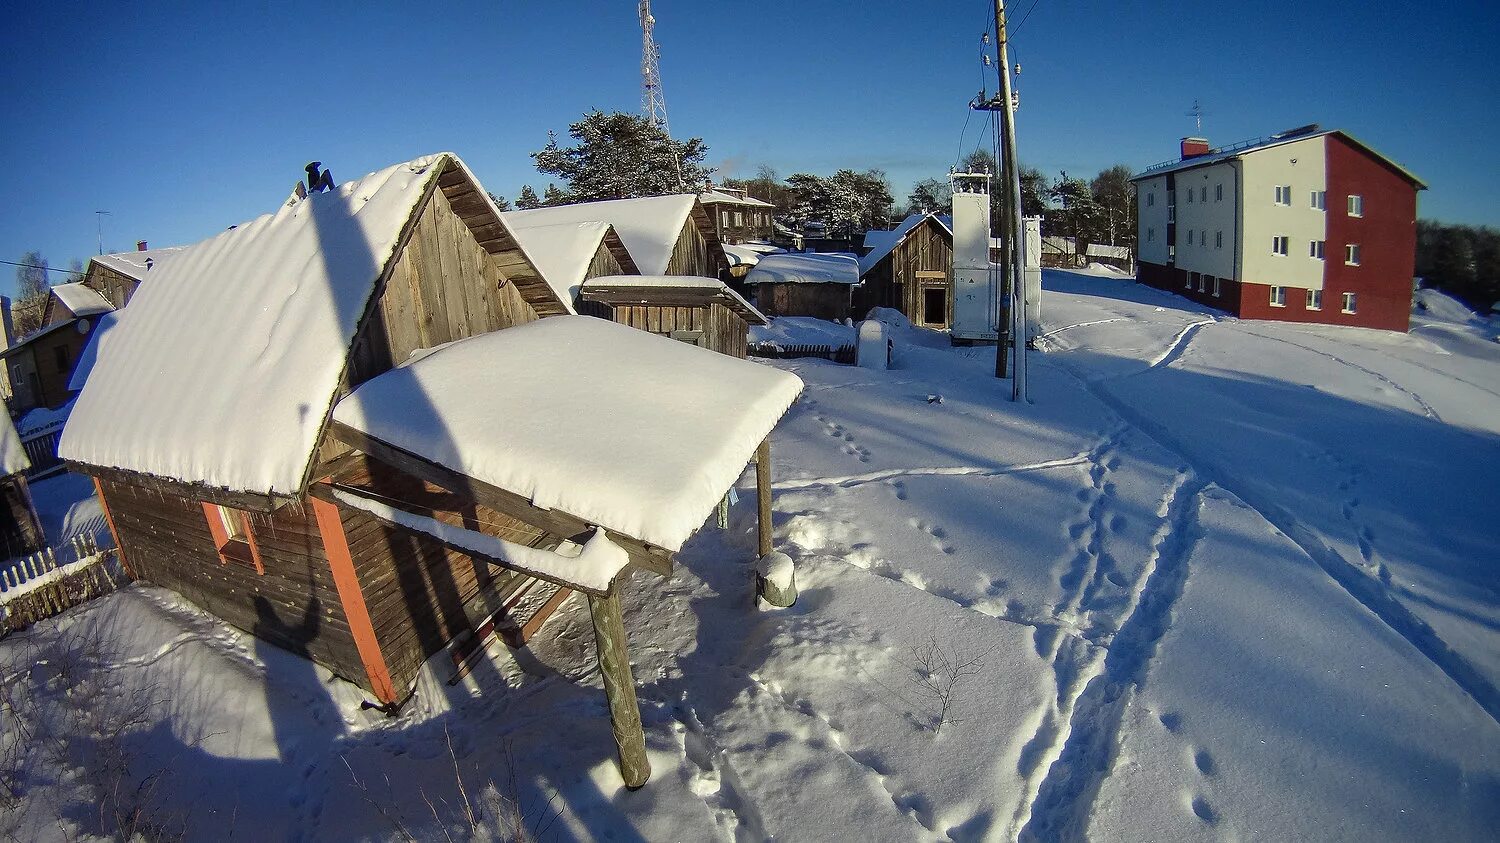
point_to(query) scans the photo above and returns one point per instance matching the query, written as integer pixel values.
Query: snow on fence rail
(780, 351)
(37, 586)
(41, 450)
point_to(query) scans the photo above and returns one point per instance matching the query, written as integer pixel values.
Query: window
(1216, 286)
(1283, 194)
(690, 337)
(1315, 249)
(230, 529)
(1218, 239)
(1218, 193)
(1190, 237)
(1314, 299)
(1150, 199)
(739, 218)
(61, 355)
(1171, 213)
(1278, 297)
(1203, 193)
(1187, 280)
(724, 218)
(1319, 199)
(1349, 303)
(1351, 254)
(1150, 235)
(1190, 195)
(1203, 238)
(1356, 205)
(1202, 283)
(1280, 244)
(1171, 252)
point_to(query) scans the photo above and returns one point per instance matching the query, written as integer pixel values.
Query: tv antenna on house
(99, 226)
(1197, 112)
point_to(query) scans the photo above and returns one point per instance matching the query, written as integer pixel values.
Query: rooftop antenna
(653, 101)
(1197, 112)
(99, 225)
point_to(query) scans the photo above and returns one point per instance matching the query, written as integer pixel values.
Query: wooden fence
(776, 351)
(38, 586)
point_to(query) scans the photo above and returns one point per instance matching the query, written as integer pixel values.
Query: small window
(1283, 194)
(1203, 238)
(232, 536)
(1150, 234)
(1218, 239)
(1280, 244)
(1190, 195)
(1319, 199)
(739, 218)
(1315, 249)
(1190, 237)
(1278, 297)
(1349, 303)
(1202, 283)
(1171, 198)
(724, 218)
(1203, 193)
(1187, 280)
(1356, 205)
(1171, 252)
(1171, 213)
(1150, 199)
(60, 353)
(1218, 193)
(1351, 254)
(1314, 299)
(1217, 281)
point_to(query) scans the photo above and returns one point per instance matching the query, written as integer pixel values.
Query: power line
(1024, 17)
(41, 267)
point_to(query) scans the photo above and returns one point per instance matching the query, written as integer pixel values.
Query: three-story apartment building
(1304, 226)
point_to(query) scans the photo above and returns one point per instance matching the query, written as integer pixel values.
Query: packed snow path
(1219, 580)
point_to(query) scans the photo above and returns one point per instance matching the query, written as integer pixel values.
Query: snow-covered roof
(562, 252)
(882, 243)
(222, 370)
(81, 300)
(630, 431)
(648, 226)
(742, 255)
(1239, 150)
(805, 268)
(13, 459)
(138, 263)
(617, 289)
(719, 197)
(90, 354)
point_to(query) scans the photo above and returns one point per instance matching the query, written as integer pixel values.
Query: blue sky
(182, 119)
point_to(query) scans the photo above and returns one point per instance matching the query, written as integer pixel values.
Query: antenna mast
(653, 101)
(1196, 112)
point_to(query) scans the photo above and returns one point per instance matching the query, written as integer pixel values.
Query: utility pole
(99, 225)
(1012, 231)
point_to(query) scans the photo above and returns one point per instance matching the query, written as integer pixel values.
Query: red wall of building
(1386, 234)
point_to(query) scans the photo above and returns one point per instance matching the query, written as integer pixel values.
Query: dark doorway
(935, 306)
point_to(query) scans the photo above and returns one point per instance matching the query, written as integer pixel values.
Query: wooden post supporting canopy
(763, 495)
(619, 689)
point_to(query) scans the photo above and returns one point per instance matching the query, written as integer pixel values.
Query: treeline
(1461, 260)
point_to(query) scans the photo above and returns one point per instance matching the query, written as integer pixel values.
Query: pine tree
(32, 291)
(501, 203)
(552, 196)
(622, 156)
(527, 199)
(930, 195)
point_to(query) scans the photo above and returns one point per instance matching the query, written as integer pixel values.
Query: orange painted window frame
(240, 551)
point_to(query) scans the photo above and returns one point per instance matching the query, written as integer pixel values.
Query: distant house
(737, 216)
(910, 268)
(392, 440)
(804, 284)
(20, 529)
(41, 363)
(116, 276)
(666, 235)
(698, 311)
(1302, 226)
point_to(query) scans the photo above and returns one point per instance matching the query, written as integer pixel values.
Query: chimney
(1194, 147)
(140, 245)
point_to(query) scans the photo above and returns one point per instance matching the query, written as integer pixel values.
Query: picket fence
(38, 586)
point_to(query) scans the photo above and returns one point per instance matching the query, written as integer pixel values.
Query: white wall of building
(1301, 165)
(1207, 207)
(1151, 211)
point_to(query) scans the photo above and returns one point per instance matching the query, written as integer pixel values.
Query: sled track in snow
(1426, 408)
(1179, 344)
(932, 471)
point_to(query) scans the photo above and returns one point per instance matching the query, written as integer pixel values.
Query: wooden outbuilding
(666, 235)
(910, 268)
(804, 284)
(20, 528)
(301, 464)
(698, 311)
(570, 253)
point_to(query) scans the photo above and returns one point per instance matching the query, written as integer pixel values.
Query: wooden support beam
(763, 495)
(341, 564)
(619, 689)
(113, 531)
(555, 521)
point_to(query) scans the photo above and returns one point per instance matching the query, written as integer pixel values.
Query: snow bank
(13, 459)
(1097, 268)
(874, 348)
(805, 268)
(592, 566)
(1436, 304)
(619, 427)
(222, 369)
(649, 227)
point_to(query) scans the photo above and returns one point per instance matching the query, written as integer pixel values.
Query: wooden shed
(804, 284)
(699, 311)
(271, 461)
(666, 235)
(910, 269)
(20, 528)
(569, 253)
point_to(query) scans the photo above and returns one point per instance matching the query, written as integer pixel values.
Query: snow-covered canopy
(222, 370)
(627, 430)
(13, 459)
(882, 243)
(81, 300)
(562, 252)
(617, 289)
(805, 268)
(649, 226)
(138, 263)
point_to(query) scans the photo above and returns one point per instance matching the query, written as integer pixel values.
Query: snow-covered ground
(1219, 580)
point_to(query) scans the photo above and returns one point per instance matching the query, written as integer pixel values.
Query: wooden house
(568, 254)
(804, 284)
(737, 216)
(698, 311)
(910, 268)
(316, 459)
(41, 363)
(666, 235)
(20, 528)
(116, 276)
